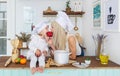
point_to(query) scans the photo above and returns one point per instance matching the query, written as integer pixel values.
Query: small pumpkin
(23, 61)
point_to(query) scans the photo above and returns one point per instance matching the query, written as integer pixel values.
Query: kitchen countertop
(95, 64)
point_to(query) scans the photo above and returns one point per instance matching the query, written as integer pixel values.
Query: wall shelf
(72, 13)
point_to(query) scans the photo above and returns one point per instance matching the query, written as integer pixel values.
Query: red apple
(49, 34)
(21, 56)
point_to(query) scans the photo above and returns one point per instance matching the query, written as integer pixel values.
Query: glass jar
(104, 58)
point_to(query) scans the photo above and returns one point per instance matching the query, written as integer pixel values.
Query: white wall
(87, 27)
(112, 46)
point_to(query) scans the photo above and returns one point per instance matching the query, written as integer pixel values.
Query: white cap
(39, 27)
(64, 21)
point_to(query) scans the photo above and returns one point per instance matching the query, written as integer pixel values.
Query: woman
(62, 39)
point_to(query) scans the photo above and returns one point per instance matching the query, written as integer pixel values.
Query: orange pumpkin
(23, 61)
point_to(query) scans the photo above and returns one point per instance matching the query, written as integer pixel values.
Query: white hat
(64, 21)
(39, 27)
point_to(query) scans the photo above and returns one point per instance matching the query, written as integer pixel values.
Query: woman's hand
(50, 41)
(51, 53)
(38, 53)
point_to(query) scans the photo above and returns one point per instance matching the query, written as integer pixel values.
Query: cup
(104, 58)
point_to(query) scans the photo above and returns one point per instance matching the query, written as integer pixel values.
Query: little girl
(38, 47)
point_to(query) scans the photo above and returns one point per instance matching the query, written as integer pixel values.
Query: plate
(82, 65)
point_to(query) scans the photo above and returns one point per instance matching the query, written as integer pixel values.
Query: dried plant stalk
(98, 40)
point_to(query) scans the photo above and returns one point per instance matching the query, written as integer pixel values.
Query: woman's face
(52, 28)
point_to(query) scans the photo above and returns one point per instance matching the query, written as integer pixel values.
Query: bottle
(75, 7)
(79, 6)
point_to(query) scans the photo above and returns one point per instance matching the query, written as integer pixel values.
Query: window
(3, 27)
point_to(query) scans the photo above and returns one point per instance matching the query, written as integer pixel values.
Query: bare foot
(40, 69)
(33, 70)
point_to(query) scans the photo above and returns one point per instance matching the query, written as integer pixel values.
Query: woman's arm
(72, 46)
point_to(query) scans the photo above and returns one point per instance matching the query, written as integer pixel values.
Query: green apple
(17, 60)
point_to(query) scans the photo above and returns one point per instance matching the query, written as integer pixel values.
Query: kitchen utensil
(76, 27)
(61, 56)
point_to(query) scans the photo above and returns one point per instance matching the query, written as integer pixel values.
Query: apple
(49, 34)
(17, 60)
(21, 56)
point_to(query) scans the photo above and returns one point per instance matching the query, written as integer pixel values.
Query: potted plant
(87, 61)
(68, 8)
(24, 38)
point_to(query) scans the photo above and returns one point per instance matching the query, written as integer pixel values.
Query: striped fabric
(62, 72)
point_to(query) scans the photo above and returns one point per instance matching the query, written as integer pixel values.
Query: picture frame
(97, 14)
(111, 16)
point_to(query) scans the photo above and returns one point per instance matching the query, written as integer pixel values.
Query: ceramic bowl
(87, 62)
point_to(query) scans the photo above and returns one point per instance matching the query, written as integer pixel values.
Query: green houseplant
(87, 61)
(24, 38)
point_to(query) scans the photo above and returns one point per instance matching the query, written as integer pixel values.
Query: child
(38, 47)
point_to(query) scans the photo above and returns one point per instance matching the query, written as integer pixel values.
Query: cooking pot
(61, 56)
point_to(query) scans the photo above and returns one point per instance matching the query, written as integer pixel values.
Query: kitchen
(18, 22)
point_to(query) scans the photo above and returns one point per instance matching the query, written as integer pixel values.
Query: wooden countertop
(95, 64)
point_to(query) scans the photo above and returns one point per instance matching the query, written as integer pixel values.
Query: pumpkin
(23, 61)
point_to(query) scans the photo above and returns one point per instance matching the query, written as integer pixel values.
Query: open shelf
(72, 13)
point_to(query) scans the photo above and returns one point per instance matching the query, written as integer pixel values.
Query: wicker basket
(15, 51)
(15, 54)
